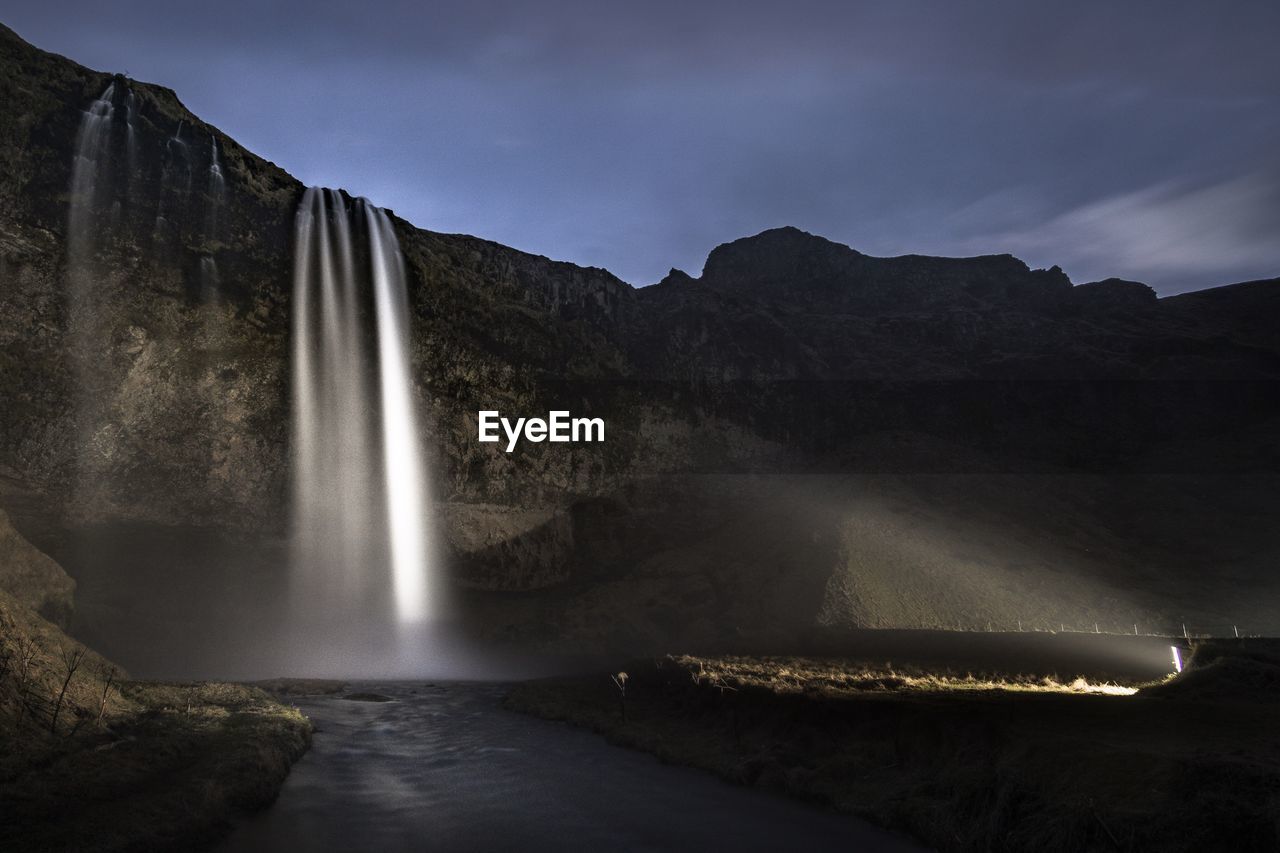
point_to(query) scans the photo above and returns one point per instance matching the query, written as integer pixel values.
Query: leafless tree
(26, 652)
(108, 680)
(71, 660)
(6, 649)
(6, 658)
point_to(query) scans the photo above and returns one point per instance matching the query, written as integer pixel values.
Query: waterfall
(209, 280)
(217, 188)
(93, 142)
(402, 467)
(359, 497)
(90, 196)
(216, 184)
(131, 133)
(174, 148)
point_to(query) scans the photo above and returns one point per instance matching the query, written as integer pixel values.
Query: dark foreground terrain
(114, 765)
(166, 774)
(92, 761)
(965, 763)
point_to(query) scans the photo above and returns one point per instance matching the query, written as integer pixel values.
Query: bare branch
(26, 654)
(71, 660)
(108, 680)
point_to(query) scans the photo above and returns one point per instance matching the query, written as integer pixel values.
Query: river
(445, 768)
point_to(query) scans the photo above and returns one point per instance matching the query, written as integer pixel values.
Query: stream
(445, 768)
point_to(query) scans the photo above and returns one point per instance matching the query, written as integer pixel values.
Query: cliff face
(32, 578)
(182, 399)
(801, 435)
(151, 396)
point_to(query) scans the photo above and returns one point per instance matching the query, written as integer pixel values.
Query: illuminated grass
(801, 675)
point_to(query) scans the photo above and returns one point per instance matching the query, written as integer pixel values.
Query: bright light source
(1177, 659)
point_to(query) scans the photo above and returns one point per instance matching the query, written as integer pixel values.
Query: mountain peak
(779, 257)
(802, 268)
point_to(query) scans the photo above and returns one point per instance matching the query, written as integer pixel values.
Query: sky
(1137, 139)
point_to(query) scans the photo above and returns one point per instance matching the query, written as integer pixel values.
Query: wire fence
(1181, 630)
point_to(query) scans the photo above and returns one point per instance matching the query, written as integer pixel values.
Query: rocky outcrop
(33, 579)
(791, 266)
(1114, 295)
(491, 539)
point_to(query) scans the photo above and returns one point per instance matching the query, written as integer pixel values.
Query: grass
(168, 773)
(789, 674)
(964, 763)
(126, 765)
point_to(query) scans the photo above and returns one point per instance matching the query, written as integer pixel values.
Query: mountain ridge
(166, 95)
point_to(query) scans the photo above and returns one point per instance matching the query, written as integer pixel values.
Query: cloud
(1171, 231)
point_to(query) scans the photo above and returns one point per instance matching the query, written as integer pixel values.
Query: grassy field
(90, 761)
(964, 763)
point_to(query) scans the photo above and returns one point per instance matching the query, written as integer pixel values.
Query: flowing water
(209, 280)
(131, 131)
(360, 565)
(177, 149)
(93, 144)
(108, 191)
(91, 196)
(217, 190)
(444, 768)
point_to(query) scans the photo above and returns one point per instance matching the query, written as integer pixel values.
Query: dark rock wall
(32, 578)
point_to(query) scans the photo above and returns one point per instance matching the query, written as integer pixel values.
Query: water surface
(445, 768)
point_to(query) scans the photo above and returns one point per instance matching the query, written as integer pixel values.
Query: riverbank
(964, 763)
(91, 761)
(168, 769)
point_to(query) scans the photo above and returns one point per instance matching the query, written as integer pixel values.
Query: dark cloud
(1133, 139)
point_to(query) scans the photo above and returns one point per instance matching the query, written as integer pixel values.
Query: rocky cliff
(803, 435)
(32, 578)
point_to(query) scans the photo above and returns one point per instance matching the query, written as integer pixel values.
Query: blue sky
(1135, 139)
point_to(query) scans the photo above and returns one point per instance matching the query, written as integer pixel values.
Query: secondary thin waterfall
(92, 195)
(93, 141)
(217, 191)
(360, 507)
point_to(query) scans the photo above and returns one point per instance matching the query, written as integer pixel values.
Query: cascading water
(91, 194)
(402, 466)
(208, 280)
(93, 142)
(360, 505)
(217, 186)
(131, 132)
(176, 149)
(217, 189)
